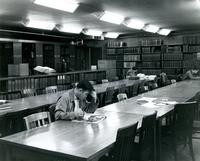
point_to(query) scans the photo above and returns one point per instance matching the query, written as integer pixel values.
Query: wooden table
(32, 102)
(66, 140)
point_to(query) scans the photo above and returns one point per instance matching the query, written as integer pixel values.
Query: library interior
(97, 80)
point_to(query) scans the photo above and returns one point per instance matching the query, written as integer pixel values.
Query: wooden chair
(181, 130)
(144, 149)
(122, 88)
(133, 90)
(109, 95)
(37, 120)
(52, 111)
(143, 87)
(122, 96)
(28, 92)
(196, 123)
(51, 89)
(122, 150)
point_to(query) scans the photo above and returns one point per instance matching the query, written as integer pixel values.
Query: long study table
(82, 141)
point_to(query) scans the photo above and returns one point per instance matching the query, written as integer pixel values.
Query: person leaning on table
(132, 72)
(76, 102)
(191, 74)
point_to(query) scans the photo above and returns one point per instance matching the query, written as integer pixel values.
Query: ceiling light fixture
(164, 32)
(92, 32)
(40, 24)
(135, 24)
(113, 35)
(64, 5)
(151, 28)
(70, 29)
(111, 17)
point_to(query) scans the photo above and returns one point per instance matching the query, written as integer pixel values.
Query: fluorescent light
(136, 24)
(71, 29)
(151, 28)
(112, 17)
(40, 24)
(93, 32)
(64, 5)
(112, 34)
(164, 32)
(198, 2)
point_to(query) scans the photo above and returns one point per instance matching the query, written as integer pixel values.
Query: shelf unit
(172, 60)
(151, 54)
(125, 58)
(191, 49)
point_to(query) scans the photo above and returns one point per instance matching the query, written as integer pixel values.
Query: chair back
(147, 136)
(52, 109)
(143, 87)
(124, 143)
(197, 109)
(122, 88)
(134, 90)
(183, 118)
(28, 92)
(122, 96)
(109, 95)
(37, 120)
(51, 89)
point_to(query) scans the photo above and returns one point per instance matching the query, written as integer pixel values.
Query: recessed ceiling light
(111, 35)
(40, 24)
(164, 32)
(151, 28)
(93, 32)
(111, 17)
(70, 29)
(136, 24)
(64, 5)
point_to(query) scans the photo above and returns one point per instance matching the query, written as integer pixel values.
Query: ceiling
(175, 15)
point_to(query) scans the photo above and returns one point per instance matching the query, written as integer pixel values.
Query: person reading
(76, 102)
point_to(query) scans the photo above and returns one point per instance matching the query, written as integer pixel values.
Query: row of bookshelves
(177, 56)
(151, 50)
(172, 49)
(172, 64)
(131, 57)
(151, 42)
(191, 40)
(187, 48)
(41, 82)
(154, 57)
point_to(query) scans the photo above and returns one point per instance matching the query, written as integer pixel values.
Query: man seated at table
(131, 73)
(191, 74)
(76, 102)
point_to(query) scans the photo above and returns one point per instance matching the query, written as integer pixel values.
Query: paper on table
(149, 99)
(151, 105)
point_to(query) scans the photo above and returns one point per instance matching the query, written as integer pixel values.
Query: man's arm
(190, 75)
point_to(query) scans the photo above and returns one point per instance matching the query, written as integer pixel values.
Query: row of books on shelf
(151, 42)
(172, 49)
(153, 57)
(191, 40)
(177, 56)
(172, 64)
(151, 50)
(191, 63)
(195, 48)
(115, 44)
(150, 65)
(131, 57)
(135, 50)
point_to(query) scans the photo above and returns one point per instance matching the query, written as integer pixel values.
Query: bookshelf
(151, 56)
(172, 60)
(125, 58)
(40, 82)
(191, 50)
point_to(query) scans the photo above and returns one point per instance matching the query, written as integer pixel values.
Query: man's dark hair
(85, 85)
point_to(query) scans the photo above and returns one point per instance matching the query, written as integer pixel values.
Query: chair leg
(191, 149)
